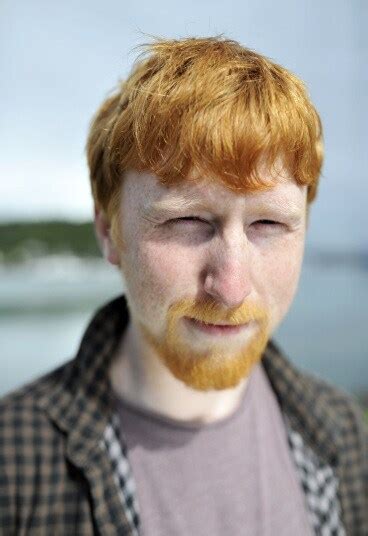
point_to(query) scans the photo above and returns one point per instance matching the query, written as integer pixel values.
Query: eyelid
(188, 218)
(197, 218)
(265, 220)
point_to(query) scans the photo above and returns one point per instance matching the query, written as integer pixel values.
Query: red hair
(207, 104)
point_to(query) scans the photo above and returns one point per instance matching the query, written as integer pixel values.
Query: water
(46, 305)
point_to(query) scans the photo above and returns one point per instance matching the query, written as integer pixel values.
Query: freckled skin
(228, 256)
(161, 269)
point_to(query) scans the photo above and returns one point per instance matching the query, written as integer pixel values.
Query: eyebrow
(172, 208)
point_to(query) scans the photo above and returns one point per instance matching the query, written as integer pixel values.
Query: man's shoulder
(35, 387)
(316, 406)
(341, 406)
(22, 412)
(38, 485)
(331, 422)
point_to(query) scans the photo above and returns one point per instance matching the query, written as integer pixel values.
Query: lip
(215, 329)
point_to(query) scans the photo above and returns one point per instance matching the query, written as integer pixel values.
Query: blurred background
(59, 60)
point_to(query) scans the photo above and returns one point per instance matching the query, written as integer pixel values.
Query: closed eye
(195, 219)
(268, 222)
(187, 218)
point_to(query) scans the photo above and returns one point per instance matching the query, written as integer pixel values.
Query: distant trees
(22, 240)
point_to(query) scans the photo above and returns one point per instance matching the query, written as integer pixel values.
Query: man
(180, 415)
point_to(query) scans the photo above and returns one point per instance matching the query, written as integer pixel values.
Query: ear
(103, 235)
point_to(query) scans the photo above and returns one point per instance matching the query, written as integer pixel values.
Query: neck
(138, 375)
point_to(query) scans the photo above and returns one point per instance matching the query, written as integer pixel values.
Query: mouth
(215, 329)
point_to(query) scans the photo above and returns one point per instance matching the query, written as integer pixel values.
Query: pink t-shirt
(235, 476)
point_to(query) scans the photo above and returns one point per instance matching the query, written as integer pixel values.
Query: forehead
(145, 191)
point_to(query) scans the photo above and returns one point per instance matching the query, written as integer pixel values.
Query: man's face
(199, 252)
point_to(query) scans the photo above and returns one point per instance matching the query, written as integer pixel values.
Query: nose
(227, 278)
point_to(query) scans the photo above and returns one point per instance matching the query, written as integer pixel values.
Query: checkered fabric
(65, 470)
(320, 486)
(123, 475)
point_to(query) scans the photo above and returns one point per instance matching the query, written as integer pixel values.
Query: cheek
(156, 275)
(280, 278)
(287, 281)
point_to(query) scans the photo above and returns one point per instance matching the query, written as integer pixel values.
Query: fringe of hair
(204, 104)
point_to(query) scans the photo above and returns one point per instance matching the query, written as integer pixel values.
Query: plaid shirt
(65, 471)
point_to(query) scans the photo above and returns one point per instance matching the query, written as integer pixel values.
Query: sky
(59, 60)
